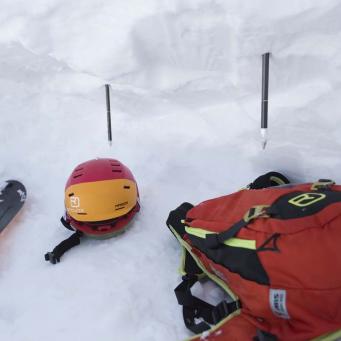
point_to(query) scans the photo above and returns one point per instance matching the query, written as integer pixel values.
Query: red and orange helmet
(101, 198)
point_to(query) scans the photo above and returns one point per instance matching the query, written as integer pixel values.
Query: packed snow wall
(186, 83)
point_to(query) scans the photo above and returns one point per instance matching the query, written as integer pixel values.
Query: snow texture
(186, 82)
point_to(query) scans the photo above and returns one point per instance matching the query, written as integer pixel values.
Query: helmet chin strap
(54, 256)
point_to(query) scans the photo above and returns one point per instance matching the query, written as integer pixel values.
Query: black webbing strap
(61, 248)
(66, 224)
(190, 266)
(194, 307)
(213, 240)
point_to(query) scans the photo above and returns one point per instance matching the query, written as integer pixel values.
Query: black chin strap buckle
(50, 257)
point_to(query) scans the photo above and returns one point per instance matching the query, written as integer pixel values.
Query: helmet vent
(77, 176)
(78, 169)
(121, 205)
(119, 208)
(117, 171)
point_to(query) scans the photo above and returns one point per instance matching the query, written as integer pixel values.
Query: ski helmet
(101, 198)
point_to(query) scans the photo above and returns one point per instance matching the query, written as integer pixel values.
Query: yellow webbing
(234, 242)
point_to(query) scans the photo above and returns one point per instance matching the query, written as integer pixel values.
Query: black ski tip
(12, 198)
(17, 184)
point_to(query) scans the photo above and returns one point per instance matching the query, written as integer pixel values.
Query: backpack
(276, 251)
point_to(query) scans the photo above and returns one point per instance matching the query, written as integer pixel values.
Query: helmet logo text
(74, 202)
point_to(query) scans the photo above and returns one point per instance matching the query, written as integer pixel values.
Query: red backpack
(277, 253)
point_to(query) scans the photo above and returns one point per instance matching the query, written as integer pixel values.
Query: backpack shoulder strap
(194, 307)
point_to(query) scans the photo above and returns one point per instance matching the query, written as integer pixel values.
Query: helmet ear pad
(101, 198)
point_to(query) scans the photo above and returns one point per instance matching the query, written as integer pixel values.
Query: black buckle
(183, 290)
(212, 241)
(224, 309)
(50, 257)
(322, 185)
(190, 279)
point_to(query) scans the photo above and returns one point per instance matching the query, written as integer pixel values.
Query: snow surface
(185, 79)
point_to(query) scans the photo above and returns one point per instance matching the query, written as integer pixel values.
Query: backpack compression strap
(269, 179)
(263, 211)
(54, 256)
(214, 240)
(194, 307)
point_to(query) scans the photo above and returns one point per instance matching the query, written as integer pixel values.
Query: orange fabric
(307, 265)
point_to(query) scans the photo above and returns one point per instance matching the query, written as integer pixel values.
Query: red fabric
(97, 170)
(307, 266)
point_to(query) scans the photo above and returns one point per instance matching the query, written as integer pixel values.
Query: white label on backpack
(278, 298)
